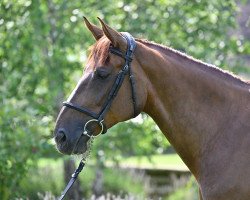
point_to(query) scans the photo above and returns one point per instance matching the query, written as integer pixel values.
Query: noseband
(126, 70)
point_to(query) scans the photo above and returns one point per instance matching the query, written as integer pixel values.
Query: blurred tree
(242, 37)
(43, 44)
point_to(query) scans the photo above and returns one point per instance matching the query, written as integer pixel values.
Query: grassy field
(48, 176)
(167, 161)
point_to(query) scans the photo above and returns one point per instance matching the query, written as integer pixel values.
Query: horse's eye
(100, 73)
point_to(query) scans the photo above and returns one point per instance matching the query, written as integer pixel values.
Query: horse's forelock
(100, 50)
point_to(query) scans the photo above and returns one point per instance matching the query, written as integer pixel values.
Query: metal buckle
(125, 68)
(85, 130)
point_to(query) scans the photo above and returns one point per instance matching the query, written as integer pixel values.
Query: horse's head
(105, 94)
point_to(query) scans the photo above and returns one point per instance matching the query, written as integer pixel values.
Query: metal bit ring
(85, 130)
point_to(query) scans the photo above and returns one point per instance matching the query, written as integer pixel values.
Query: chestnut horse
(203, 111)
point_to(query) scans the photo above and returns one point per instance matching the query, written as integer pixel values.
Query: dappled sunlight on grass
(167, 161)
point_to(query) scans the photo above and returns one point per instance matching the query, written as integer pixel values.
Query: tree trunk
(97, 186)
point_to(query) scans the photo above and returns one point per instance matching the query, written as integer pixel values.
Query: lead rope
(82, 163)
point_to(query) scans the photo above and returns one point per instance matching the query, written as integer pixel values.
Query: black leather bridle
(99, 117)
(126, 70)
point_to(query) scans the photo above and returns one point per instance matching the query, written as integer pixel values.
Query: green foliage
(44, 43)
(51, 172)
(119, 182)
(140, 136)
(115, 181)
(188, 192)
(20, 138)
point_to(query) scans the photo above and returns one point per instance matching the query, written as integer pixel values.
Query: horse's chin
(80, 150)
(69, 150)
(64, 150)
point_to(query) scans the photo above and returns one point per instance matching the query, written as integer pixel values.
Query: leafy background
(43, 48)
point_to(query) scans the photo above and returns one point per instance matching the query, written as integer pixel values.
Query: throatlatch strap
(131, 47)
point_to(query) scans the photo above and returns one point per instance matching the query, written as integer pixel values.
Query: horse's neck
(188, 102)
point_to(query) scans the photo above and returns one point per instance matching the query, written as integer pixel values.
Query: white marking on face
(74, 91)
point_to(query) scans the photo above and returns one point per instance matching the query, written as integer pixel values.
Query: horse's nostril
(60, 136)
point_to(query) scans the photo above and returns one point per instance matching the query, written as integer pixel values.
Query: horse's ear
(115, 37)
(96, 31)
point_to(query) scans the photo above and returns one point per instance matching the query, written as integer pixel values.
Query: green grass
(167, 161)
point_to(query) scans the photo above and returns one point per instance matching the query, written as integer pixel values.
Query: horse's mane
(205, 66)
(100, 51)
